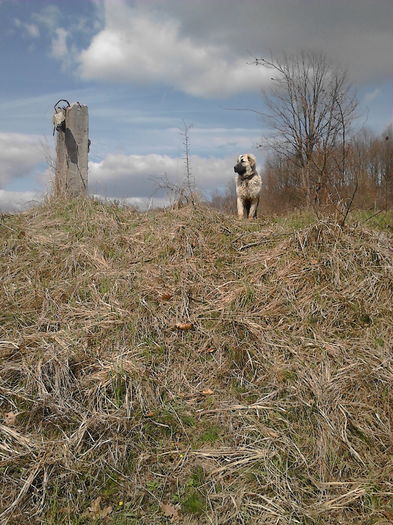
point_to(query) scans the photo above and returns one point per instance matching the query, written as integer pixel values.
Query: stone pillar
(72, 146)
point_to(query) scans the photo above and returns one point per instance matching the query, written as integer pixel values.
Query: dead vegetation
(185, 367)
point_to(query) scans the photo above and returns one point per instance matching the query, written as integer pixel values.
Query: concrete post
(72, 146)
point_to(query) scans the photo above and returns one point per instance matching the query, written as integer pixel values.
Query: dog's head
(246, 164)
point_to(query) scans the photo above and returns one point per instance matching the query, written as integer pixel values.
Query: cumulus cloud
(62, 29)
(138, 176)
(204, 48)
(137, 46)
(19, 156)
(136, 180)
(12, 201)
(358, 33)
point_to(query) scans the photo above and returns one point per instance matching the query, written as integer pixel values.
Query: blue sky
(146, 67)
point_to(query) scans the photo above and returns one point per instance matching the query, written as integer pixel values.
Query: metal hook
(62, 100)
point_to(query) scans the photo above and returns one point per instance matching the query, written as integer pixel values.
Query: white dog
(248, 186)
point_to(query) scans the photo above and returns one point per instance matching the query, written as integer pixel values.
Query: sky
(145, 69)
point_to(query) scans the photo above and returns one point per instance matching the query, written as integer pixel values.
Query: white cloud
(116, 166)
(19, 155)
(147, 203)
(49, 16)
(202, 47)
(141, 203)
(372, 95)
(137, 176)
(63, 31)
(204, 50)
(137, 46)
(358, 33)
(132, 179)
(18, 200)
(59, 48)
(31, 30)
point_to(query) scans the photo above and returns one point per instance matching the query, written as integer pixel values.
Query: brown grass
(272, 406)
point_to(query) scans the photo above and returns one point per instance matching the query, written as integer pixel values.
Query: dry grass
(274, 408)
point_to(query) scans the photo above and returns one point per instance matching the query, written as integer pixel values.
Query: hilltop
(182, 366)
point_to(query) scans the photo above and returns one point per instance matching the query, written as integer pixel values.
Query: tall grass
(184, 366)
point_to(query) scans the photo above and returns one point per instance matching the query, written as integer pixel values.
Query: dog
(248, 186)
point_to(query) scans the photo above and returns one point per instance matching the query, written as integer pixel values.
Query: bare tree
(360, 177)
(226, 201)
(189, 180)
(184, 192)
(311, 107)
(388, 166)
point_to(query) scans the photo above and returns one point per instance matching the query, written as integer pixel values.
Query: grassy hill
(186, 367)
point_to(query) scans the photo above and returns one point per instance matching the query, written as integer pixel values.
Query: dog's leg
(253, 209)
(240, 208)
(246, 204)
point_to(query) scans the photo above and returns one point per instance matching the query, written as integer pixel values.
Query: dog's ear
(252, 160)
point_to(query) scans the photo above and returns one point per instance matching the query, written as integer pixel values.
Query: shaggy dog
(248, 186)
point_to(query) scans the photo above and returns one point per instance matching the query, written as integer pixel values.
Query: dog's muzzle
(239, 168)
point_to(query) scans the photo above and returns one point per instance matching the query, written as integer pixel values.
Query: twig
(373, 215)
